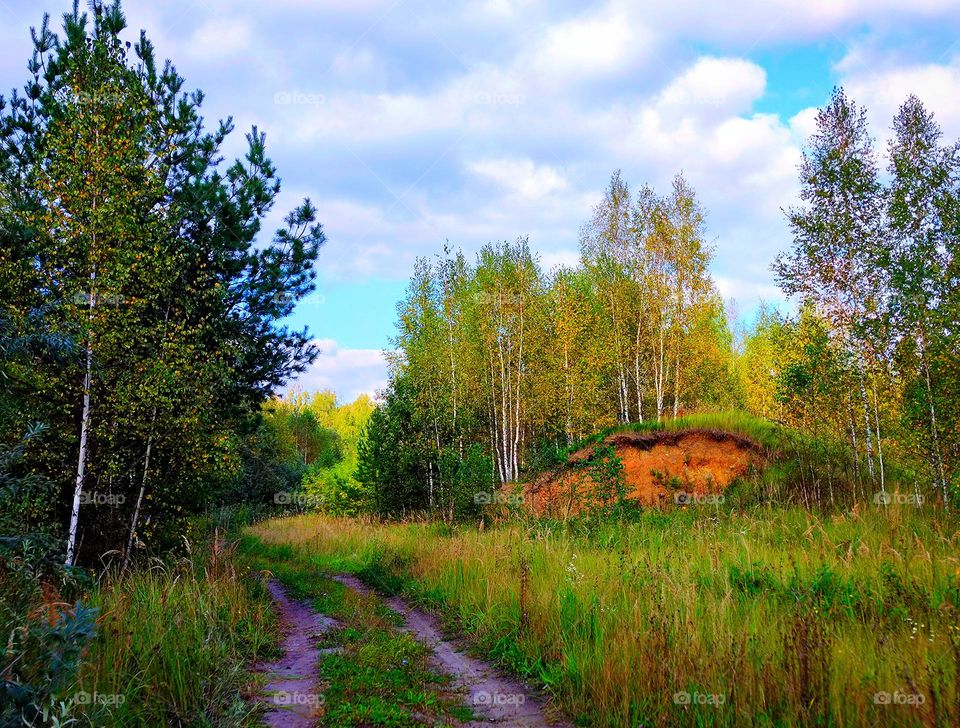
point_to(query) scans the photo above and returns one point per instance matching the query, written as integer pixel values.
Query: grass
(766, 617)
(810, 469)
(174, 644)
(166, 644)
(373, 674)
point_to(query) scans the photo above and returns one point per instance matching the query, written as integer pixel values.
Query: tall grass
(769, 617)
(174, 645)
(166, 644)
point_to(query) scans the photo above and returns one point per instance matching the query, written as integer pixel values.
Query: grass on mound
(765, 617)
(809, 469)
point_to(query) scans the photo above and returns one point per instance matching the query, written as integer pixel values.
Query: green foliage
(318, 439)
(608, 489)
(141, 316)
(872, 356)
(500, 355)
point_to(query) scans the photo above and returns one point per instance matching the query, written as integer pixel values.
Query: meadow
(701, 616)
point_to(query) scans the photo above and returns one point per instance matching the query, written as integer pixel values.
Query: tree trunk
(143, 486)
(84, 431)
(934, 434)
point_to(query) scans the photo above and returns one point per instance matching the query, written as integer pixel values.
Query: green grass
(810, 469)
(167, 644)
(377, 675)
(788, 617)
(174, 644)
(763, 432)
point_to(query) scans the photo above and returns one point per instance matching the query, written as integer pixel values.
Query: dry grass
(786, 617)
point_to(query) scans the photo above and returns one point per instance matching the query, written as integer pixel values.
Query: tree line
(873, 355)
(141, 327)
(499, 364)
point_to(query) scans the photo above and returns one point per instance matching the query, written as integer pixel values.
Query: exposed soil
(293, 693)
(658, 467)
(494, 698)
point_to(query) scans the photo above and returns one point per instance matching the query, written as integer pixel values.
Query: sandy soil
(659, 468)
(293, 694)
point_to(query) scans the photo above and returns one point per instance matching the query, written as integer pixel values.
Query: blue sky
(411, 123)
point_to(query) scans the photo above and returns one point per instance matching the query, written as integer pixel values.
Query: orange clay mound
(656, 466)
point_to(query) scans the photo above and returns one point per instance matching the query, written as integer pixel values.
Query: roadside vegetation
(699, 616)
(167, 644)
(371, 672)
(144, 342)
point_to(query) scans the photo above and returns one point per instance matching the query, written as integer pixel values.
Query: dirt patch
(293, 694)
(494, 698)
(658, 467)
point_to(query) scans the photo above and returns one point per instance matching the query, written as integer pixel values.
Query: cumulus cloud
(413, 123)
(882, 86)
(521, 176)
(348, 372)
(589, 46)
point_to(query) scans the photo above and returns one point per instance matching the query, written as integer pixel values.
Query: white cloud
(559, 259)
(521, 176)
(759, 22)
(589, 46)
(715, 86)
(348, 372)
(882, 86)
(804, 123)
(219, 39)
(520, 109)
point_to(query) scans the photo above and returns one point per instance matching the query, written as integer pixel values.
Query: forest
(602, 481)
(501, 360)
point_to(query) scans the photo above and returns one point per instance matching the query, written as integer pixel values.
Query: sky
(414, 123)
